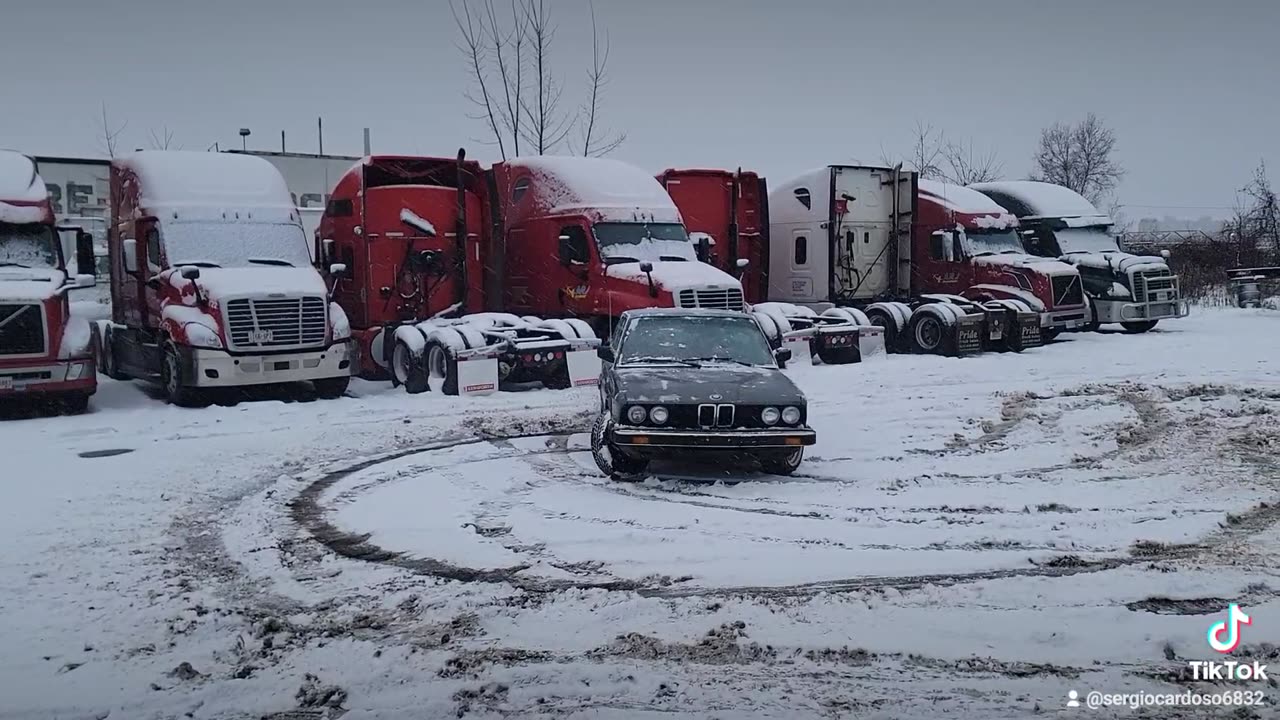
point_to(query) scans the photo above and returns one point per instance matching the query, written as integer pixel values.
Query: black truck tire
(928, 333)
(612, 463)
(76, 403)
(1093, 324)
(782, 462)
(442, 365)
(1139, 326)
(107, 364)
(171, 380)
(409, 369)
(332, 388)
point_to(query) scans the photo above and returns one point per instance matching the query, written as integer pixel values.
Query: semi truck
(470, 279)
(1057, 222)
(45, 351)
(212, 286)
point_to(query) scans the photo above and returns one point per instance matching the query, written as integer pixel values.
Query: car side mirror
(189, 273)
(338, 270)
(130, 251)
(86, 264)
(782, 355)
(605, 353)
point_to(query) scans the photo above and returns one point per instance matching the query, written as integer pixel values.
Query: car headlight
(770, 415)
(659, 415)
(636, 415)
(791, 415)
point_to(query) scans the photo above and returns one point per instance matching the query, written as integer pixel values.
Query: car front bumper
(640, 440)
(217, 368)
(49, 378)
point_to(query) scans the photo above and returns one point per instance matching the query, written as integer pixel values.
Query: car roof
(682, 312)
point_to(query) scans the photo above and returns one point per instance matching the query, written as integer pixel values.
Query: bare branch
(107, 135)
(472, 47)
(1079, 157)
(594, 143)
(162, 140)
(966, 166)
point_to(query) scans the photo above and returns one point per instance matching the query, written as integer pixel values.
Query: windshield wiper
(714, 358)
(984, 253)
(271, 261)
(672, 258)
(14, 264)
(654, 359)
(619, 259)
(198, 263)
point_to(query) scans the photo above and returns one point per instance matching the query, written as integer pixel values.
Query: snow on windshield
(1095, 239)
(633, 242)
(695, 338)
(230, 244)
(994, 242)
(27, 245)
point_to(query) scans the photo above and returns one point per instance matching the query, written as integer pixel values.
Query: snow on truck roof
(1043, 199)
(598, 183)
(19, 181)
(208, 180)
(958, 198)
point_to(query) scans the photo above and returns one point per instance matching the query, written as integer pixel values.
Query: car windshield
(1086, 239)
(695, 340)
(994, 242)
(634, 242)
(235, 244)
(28, 245)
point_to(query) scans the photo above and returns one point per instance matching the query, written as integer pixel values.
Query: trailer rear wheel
(407, 369)
(1139, 326)
(443, 366)
(928, 333)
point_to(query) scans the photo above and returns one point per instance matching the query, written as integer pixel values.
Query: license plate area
(6, 383)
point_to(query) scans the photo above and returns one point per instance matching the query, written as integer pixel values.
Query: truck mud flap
(871, 344)
(968, 340)
(1027, 333)
(584, 367)
(478, 377)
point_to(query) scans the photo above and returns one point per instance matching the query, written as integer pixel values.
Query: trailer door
(864, 223)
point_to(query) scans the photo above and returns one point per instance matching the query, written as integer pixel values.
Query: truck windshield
(994, 242)
(1085, 239)
(28, 245)
(695, 341)
(633, 242)
(233, 244)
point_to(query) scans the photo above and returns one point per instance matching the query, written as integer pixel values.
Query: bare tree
(1079, 157)
(163, 140)
(516, 92)
(966, 166)
(108, 135)
(925, 154)
(594, 141)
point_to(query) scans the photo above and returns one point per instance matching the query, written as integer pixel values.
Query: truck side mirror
(1165, 254)
(573, 250)
(938, 244)
(338, 270)
(704, 249)
(646, 267)
(605, 353)
(86, 264)
(130, 249)
(189, 273)
(326, 248)
(742, 263)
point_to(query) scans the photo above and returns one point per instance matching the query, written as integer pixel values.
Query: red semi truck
(45, 351)
(473, 278)
(900, 253)
(211, 281)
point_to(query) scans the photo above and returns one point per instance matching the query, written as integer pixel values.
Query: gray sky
(1192, 88)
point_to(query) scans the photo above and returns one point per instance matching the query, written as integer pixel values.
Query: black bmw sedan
(678, 382)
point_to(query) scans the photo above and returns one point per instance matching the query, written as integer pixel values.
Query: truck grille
(1154, 285)
(1067, 290)
(727, 299)
(22, 330)
(276, 323)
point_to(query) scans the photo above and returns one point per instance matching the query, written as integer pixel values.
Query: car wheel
(1093, 324)
(782, 463)
(611, 462)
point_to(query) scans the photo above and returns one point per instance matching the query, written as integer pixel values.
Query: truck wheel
(612, 463)
(558, 380)
(1049, 334)
(892, 333)
(782, 463)
(443, 366)
(408, 370)
(332, 388)
(928, 333)
(171, 379)
(1093, 323)
(107, 354)
(76, 404)
(1139, 326)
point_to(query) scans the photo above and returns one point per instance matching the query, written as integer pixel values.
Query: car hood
(1023, 261)
(691, 386)
(29, 284)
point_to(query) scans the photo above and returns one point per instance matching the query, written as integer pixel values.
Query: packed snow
(30, 284)
(255, 281)
(960, 199)
(970, 538)
(675, 276)
(19, 181)
(614, 190)
(187, 181)
(416, 221)
(1043, 199)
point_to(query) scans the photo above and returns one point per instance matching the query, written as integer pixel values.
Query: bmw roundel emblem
(717, 396)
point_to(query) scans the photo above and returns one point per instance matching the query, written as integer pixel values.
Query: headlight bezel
(792, 414)
(636, 414)
(770, 416)
(657, 410)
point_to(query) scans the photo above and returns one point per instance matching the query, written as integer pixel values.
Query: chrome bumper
(639, 439)
(1115, 311)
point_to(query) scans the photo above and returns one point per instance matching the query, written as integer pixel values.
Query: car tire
(782, 463)
(612, 463)
(1140, 326)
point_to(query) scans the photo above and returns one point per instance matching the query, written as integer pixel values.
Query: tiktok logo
(1224, 636)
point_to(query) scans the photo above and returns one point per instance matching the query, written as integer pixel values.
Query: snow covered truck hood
(1023, 261)
(30, 284)
(674, 276)
(691, 386)
(1118, 262)
(265, 281)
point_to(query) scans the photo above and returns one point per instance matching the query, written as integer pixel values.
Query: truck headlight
(202, 336)
(770, 416)
(659, 415)
(791, 415)
(77, 370)
(636, 415)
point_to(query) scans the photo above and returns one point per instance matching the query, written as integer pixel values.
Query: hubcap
(929, 333)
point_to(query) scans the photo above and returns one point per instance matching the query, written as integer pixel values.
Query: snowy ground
(971, 538)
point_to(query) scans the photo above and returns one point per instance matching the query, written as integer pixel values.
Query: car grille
(726, 299)
(1067, 290)
(1149, 282)
(276, 323)
(22, 329)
